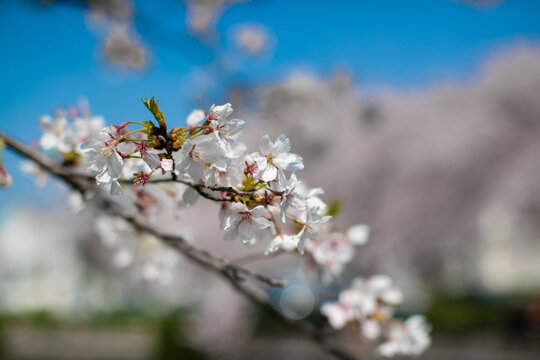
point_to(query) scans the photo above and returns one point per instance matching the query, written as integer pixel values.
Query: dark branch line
(234, 274)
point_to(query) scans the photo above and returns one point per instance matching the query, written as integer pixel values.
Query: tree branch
(86, 184)
(200, 188)
(233, 274)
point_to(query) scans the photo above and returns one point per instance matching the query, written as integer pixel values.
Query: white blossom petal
(359, 234)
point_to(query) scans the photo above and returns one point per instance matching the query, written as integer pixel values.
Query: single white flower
(192, 160)
(194, 156)
(273, 158)
(220, 112)
(331, 251)
(312, 222)
(290, 197)
(246, 223)
(338, 314)
(105, 162)
(57, 134)
(224, 173)
(223, 128)
(88, 127)
(359, 234)
(313, 200)
(149, 157)
(195, 118)
(285, 242)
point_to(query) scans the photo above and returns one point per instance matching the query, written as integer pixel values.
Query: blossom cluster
(371, 302)
(67, 129)
(62, 135)
(334, 249)
(261, 194)
(261, 198)
(154, 260)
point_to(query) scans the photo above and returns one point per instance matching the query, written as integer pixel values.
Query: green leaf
(153, 107)
(334, 208)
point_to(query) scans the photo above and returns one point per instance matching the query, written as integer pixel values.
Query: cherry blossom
(335, 249)
(195, 118)
(224, 174)
(195, 155)
(105, 162)
(358, 234)
(407, 338)
(223, 128)
(87, 127)
(312, 196)
(274, 158)
(248, 224)
(290, 198)
(313, 220)
(57, 134)
(149, 157)
(370, 302)
(286, 242)
(63, 132)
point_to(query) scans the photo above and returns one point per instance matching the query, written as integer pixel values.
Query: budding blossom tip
(140, 178)
(251, 169)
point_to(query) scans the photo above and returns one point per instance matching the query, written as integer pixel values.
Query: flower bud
(177, 136)
(251, 168)
(155, 142)
(140, 178)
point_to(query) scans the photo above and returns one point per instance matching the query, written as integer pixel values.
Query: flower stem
(132, 132)
(136, 123)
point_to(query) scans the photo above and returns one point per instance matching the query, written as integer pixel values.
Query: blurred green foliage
(169, 329)
(334, 208)
(172, 342)
(473, 312)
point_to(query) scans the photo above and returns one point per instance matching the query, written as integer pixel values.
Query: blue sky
(50, 57)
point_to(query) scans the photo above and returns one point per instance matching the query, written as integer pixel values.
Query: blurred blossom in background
(420, 119)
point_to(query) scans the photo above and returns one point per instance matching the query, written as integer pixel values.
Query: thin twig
(232, 273)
